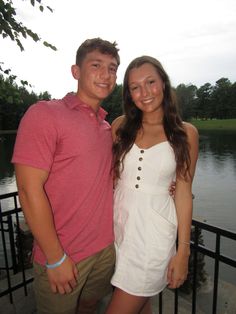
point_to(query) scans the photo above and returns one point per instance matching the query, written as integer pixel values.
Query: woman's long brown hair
(132, 123)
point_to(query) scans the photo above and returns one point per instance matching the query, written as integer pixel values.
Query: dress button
(139, 168)
(137, 186)
(140, 158)
(141, 151)
(138, 178)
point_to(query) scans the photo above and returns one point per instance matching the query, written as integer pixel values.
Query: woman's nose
(145, 91)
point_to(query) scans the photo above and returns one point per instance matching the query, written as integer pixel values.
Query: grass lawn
(224, 124)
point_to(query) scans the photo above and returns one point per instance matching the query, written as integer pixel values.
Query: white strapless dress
(145, 221)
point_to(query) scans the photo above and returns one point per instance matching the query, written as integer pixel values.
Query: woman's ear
(75, 70)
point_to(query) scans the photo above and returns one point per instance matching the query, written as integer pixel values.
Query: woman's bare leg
(125, 303)
(147, 308)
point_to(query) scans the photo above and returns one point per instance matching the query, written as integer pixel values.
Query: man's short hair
(99, 44)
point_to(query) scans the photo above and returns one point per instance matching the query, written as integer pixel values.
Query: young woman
(152, 146)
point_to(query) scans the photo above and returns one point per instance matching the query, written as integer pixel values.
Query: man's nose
(105, 73)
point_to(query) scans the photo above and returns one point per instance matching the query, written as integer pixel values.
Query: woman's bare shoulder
(116, 124)
(191, 130)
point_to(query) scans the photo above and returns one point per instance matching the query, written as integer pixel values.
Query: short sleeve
(36, 138)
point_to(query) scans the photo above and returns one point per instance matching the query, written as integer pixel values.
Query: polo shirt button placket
(138, 178)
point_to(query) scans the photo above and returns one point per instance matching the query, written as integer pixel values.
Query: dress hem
(150, 294)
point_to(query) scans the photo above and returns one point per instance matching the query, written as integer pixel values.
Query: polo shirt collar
(73, 102)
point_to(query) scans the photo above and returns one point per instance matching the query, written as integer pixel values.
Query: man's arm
(39, 216)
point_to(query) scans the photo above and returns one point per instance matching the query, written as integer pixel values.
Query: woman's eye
(151, 81)
(133, 88)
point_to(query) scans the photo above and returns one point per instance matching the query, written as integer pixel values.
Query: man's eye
(151, 81)
(113, 70)
(133, 88)
(95, 65)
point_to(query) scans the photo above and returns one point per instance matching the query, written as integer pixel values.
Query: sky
(194, 40)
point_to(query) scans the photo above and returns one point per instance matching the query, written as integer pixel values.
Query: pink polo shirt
(67, 139)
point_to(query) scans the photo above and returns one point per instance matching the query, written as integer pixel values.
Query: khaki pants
(93, 284)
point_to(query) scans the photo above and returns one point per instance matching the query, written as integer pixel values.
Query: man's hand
(172, 189)
(63, 278)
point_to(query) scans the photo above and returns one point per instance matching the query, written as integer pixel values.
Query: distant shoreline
(215, 124)
(8, 132)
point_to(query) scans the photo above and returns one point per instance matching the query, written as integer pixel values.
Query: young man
(63, 160)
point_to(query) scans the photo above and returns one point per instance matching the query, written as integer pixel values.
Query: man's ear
(75, 70)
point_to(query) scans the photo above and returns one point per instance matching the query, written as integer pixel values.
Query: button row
(139, 168)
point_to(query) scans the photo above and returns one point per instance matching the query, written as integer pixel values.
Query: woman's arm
(178, 267)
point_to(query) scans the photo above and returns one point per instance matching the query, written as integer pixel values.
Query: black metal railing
(12, 247)
(198, 247)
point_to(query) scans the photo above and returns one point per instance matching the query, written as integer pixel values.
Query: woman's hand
(177, 270)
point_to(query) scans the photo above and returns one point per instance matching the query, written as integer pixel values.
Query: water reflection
(215, 180)
(214, 184)
(7, 179)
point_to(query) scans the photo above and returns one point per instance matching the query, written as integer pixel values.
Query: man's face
(96, 77)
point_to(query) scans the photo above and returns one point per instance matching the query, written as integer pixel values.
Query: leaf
(46, 44)
(24, 83)
(50, 9)
(32, 2)
(7, 71)
(19, 44)
(41, 8)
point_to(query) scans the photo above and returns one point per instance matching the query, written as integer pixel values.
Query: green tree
(9, 99)
(15, 100)
(203, 108)
(186, 95)
(11, 28)
(221, 98)
(113, 104)
(232, 100)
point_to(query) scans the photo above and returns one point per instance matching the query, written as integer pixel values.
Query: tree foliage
(14, 101)
(11, 28)
(113, 104)
(186, 95)
(208, 101)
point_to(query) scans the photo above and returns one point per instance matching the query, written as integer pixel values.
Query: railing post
(194, 292)
(160, 303)
(5, 255)
(12, 244)
(176, 302)
(216, 274)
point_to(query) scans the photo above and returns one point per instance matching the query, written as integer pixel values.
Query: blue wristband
(51, 266)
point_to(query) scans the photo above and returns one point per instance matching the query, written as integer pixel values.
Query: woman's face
(146, 88)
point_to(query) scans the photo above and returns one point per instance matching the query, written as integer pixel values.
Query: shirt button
(91, 114)
(138, 178)
(141, 151)
(140, 158)
(137, 186)
(139, 168)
